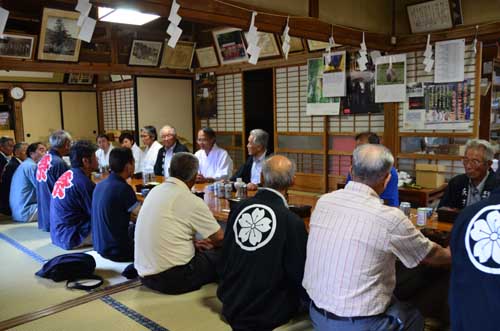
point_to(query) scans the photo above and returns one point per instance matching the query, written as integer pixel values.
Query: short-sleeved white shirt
(150, 155)
(168, 220)
(103, 157)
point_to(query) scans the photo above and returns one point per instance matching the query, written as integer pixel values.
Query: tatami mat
(175, 312)
(95, 315)
(21, 291)
(28, 235)
(109, 270)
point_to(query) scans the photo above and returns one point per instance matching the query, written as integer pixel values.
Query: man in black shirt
(263, 255)
(18, 157)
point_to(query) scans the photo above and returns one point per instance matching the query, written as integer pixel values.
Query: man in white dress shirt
(149, 136)
(215, 162)
(127, 140)
(102, 153)
(353, 244)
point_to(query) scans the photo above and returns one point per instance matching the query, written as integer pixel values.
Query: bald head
(278, 172)
(371, 164)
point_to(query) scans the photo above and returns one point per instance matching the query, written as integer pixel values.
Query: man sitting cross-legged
(165, 252)
(113, 203)
(72, 199)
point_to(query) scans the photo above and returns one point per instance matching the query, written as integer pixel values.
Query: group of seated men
(266, 264)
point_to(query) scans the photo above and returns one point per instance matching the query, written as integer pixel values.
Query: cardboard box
(430, 175)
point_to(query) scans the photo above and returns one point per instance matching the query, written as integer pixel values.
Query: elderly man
(257, 151)
(263, 255)
(18, 157)
(354, 241)
(477, 182)
(149, 136)
(22, 198)
(165, 254)
(127, 140)
(113, 203)
(475, 272)
(391, 193)
(6, 149)
(170, 146)
(49, 169)
(215, 162)
(72, 199)
(102, 153)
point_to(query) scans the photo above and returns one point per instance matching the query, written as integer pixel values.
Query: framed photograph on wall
(59, 36)
(145, 53)
(80, 78)
(268, 45)
(430, 16)
(206, 57)
(230, 45)
(296, 44)
(179, 57)
(316, 45)
(17, 46)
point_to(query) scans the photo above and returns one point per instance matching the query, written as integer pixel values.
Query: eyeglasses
(473, 162)
(144, 135)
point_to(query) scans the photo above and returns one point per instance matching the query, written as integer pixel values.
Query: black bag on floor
(75, 268)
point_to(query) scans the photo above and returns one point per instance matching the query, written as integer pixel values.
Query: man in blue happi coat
(49, 168)
(71, 204)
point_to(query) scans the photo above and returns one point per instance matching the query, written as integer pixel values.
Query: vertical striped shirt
(353, 244)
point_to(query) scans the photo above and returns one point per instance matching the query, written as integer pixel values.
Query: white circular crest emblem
(482, 240)
(254, 227)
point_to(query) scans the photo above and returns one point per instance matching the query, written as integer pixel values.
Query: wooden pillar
(18, 117)
(314, 8)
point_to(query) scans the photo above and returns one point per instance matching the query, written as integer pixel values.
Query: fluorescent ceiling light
(125, 16)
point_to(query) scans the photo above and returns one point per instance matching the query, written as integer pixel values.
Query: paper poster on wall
(449, 57)
(448, 106)
(390, 82)
(206, 95)
(414, 111)
(317, 103)
(360, 98)
(334, 74)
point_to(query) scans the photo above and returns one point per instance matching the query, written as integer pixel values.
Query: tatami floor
(29, 303)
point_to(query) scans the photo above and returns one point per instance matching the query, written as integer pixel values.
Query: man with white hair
(49, 169)
(166, 256)
(263, 255)
(257, 152)
(171, 145)
(478, 181)
(354, 242)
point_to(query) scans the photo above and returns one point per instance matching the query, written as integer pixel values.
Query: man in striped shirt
(353, 245)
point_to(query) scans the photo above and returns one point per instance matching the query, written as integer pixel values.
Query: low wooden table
(421, 198)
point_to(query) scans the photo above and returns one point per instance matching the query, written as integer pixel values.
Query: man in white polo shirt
(353, 244)
(166, 256)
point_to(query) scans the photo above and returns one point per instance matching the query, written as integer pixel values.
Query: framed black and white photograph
(145, 53)
(59, 36)
(80, 78)
(17, 46)
(430, 16)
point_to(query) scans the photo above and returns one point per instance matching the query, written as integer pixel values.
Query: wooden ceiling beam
(214, 12)
(94, 68)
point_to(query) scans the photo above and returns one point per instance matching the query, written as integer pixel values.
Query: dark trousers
(186, 278)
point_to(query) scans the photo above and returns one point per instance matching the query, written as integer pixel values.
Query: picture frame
(18, 46)
(230, 46)
(207, 58)
(316, 45)
(296, 44)
(59, 36)
(268, 45)
(456, 12)
(145, 53)
(80, 78)
(180, 57)
(430, 16)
